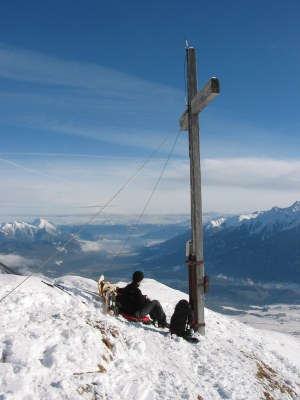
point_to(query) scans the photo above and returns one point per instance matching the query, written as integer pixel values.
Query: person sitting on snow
(135, 304)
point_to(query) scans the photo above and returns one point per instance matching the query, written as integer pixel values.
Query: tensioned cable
(171, 152)
(147, 203)
(91, 219)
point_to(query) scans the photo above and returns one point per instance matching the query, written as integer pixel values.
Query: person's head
(137, 277)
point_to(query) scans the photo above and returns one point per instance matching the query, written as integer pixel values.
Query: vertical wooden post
(196, 263)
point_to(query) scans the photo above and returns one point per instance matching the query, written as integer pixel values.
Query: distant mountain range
(242, 253)
(27, 245)
(263, 246)
(39, 229)
(251, 259)
(89, 250)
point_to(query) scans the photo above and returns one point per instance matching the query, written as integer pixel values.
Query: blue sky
(89, 89)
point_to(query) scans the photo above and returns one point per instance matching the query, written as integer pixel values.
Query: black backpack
(181, 318)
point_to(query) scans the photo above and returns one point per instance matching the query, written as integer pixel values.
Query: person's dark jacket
(132, 299)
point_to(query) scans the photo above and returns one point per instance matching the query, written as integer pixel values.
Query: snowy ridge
(276, 219)
(18, 230)
(59, 345)
(24, 230)
(45, 225)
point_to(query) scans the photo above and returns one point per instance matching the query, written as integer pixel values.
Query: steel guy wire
(147, 203)
(73, 236)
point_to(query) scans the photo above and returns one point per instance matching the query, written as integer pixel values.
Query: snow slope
(59, 344)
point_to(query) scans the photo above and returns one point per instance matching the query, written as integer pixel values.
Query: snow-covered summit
(59, 344)
(18, 229)
(230, 222)
(294, 207)
(45, 225)
(277, 218)
(24, 230)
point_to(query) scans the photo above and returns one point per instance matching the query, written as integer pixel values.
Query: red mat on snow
(131, 318)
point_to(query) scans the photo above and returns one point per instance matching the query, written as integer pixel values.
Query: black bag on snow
(181, 318)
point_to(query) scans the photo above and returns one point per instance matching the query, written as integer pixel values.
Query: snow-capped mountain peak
(18, 230)
(44, 224)
(295, 207)
(24, 230)
(230, 222)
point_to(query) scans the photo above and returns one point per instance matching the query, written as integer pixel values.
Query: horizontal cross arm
(209, 92)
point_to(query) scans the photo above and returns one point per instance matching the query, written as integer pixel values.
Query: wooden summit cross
(197, 101)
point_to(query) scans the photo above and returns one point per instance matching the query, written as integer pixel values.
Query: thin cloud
(31, 170)
(27, 66)
(60, 155)
(85, 100)
(14, 260)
